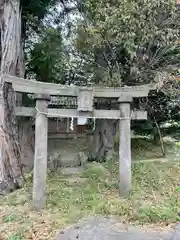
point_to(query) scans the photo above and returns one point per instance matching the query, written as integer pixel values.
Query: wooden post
(125, 146)
(40, 155)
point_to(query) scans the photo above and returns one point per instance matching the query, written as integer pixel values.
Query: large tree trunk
(11, 63)
(105, 131)
(27, 139)
(103, 141)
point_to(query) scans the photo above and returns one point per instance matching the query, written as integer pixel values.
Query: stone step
(67, 159)
(72, 170)
(74, 180)
(70, 160)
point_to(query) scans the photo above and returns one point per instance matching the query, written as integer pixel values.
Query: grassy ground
(154, 197)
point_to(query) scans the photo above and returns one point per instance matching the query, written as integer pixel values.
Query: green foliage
(136, 38)
(47, 58)
(34, 13)
(135, 42)
(117, 43)
(38, 8)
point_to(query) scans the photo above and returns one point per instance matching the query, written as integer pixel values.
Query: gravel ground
(99, 228)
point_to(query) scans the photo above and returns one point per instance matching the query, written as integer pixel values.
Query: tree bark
(26, 139)
(11, 64)
(103, 142)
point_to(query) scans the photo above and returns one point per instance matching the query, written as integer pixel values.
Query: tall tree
(127, 43)
(47, 59)
(11, 64)
(134, 42)
(34, 13)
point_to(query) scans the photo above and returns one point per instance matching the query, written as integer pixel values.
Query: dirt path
(97, 228)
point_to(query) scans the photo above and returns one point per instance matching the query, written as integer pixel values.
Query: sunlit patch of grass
(10, 218)
(146, 149)
(154, 198)
(18, 236)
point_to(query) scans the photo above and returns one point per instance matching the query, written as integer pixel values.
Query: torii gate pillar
(40, 155)
(125, 146)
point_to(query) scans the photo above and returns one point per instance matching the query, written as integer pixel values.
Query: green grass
(18, 236)
(154, 198)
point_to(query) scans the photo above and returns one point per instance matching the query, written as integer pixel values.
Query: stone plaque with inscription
(85, 100)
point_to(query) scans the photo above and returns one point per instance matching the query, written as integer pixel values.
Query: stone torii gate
(85, 95)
